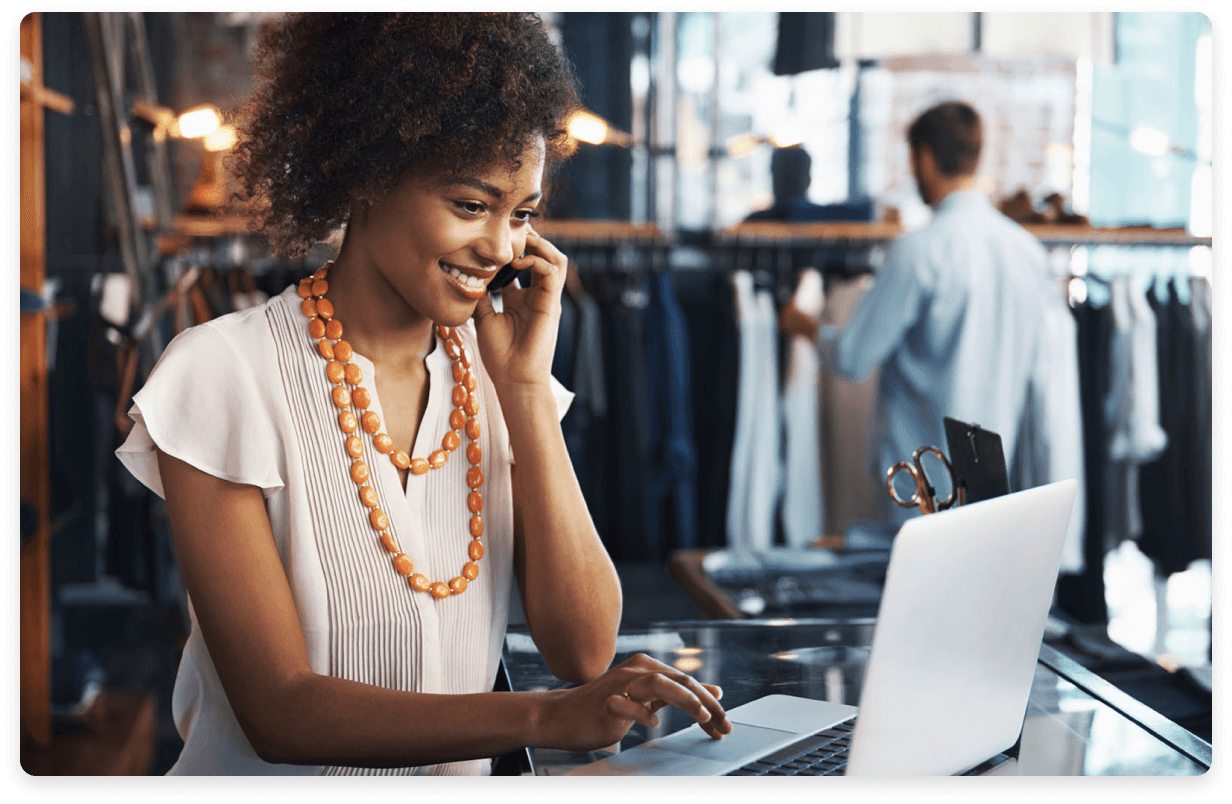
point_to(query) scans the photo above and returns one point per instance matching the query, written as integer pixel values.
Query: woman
(345, 503)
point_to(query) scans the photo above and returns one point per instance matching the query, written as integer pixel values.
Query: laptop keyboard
(823, 754)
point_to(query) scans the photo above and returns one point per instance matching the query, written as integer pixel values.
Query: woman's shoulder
(242, 335)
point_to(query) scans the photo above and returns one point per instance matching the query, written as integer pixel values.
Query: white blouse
(245, 398)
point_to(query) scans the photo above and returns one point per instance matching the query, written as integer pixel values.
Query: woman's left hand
(517, 344)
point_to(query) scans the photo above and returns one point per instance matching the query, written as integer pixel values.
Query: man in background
(954, 315)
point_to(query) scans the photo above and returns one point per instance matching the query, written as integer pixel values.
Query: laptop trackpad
(691, 752)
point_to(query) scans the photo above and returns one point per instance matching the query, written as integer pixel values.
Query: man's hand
(795, 321)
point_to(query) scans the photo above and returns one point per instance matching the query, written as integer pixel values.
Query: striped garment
(245, 398)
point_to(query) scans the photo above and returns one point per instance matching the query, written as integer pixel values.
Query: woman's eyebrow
(493, 191)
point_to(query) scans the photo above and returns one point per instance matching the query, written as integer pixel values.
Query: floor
(138, 644)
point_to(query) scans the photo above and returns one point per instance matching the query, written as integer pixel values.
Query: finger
(703, 694)
(715, 690)
(655, 686)
(540, 244)
(627, 709)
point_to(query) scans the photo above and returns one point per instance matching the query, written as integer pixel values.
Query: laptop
(958, 634)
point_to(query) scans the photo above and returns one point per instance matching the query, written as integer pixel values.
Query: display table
(1076, 724)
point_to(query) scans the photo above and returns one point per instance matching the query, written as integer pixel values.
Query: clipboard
(978, 461)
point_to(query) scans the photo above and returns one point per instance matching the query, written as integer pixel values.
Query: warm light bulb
(588, 127)
(221, 139)
(199, 122)
(743, 145)
(787, 135)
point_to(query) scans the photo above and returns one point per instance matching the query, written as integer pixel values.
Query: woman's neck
(376, 320)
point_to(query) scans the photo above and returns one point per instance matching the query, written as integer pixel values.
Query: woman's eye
(525, 215)
(470, 207)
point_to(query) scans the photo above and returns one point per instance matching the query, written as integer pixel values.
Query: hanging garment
(707, 301)
(1131, 410)
(672, 484)
(755, 463)
(585, 426)
(1171, 492)
(953, 320)
(626, 534)
(803, 512)
(1081, 594)
(1050, 442)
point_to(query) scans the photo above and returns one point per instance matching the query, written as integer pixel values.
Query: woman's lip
(469, 292)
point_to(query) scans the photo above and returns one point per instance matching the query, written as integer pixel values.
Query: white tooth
(444, 267)
(456, 274)
(474, 281)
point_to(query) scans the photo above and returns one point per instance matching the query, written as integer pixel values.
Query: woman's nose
(497, 246)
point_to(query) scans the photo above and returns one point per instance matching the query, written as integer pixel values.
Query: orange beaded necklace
(324, 328)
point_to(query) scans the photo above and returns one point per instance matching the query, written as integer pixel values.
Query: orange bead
(419, 466)
(319, 287)
(470, 570)
(305, 288)
(451, 440)
(368, 495)
(474, 501)
(400, 459)
(437, 459)
(354, 447)
(335, 371)
(346, 420)
(459, 396)
(458, 372)
(474, 453)
(474, 477)
(464, 358)
(403, 564)
(475, 550)
(457, 585)
(477, 526)
(333, 330)
(419, 583)
(371, 422)
(326, 349)
(451, 349)
(457, 419)
(378, 519)
(471, 405)
(445, 332)
(387, 540)
(472, 428)
(354, 375)
(469, 381)
(440, 590)
(342, 397)
(383, 443)
(343, 350)
(322, 272)
(325, 308)
(361, 398)
(316, 327)
(359, 472)
(309, 307)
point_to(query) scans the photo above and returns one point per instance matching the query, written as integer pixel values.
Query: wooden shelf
(115, 738)
(1047, 233)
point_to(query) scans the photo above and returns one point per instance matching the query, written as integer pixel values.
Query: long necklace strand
(326, 331)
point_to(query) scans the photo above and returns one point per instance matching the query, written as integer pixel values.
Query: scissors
(925, 495)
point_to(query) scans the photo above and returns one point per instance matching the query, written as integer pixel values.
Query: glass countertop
(1076, 724)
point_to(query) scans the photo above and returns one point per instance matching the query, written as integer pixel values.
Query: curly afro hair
(346, 104)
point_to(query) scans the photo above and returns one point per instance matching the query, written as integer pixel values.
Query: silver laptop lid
(958, 633)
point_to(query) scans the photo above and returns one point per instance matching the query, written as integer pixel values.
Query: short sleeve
(563, 397)
(203, 405)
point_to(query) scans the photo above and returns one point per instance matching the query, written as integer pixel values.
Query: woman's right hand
(600, 712)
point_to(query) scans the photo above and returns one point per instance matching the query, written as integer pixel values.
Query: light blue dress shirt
(953, 320)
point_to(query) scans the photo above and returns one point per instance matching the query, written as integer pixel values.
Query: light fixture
(198, 122)
(1150, 141)
(222, 138)
(586, 126)
(786, 136)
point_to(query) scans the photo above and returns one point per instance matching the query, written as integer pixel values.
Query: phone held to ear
(503, 277)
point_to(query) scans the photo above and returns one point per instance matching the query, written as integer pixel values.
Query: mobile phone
(503, 277)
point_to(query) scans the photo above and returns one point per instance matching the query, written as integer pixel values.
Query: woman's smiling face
(439, 242)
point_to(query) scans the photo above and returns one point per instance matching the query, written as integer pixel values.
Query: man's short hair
(789, 172)
(953, 132)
